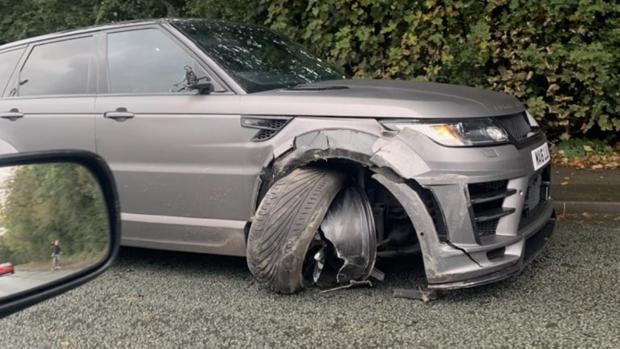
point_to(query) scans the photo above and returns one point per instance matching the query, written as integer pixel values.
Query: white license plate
(540, 156)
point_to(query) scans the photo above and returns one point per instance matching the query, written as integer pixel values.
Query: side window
(59, 68)
(147, 61)
(8, 60)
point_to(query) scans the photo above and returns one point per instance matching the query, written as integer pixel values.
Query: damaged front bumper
(530, 248)
(480, 214)
(481, 220)
(451, 266)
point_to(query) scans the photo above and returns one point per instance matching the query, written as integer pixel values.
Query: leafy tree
(47, 202)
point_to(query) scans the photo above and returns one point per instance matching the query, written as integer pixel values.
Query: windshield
(258, 59)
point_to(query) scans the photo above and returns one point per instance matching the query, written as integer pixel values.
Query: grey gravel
(152, 299)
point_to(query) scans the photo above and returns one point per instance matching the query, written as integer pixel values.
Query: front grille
(487, 228)
(516, 125)
(484, 188)
(536, 195)
(487, 201)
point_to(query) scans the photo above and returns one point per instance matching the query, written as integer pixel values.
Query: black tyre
(285, 224)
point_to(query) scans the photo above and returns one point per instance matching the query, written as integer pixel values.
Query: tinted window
(147, 61)
(8, 60)
(60, 68)
(258, 59)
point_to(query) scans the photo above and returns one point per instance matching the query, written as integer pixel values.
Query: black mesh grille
(516, 125)
(275, 124)
(487, 199)
(486, 187)
(264, 135)
(268, 127)
(487, 228)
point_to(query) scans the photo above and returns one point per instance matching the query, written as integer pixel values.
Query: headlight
(456, 134)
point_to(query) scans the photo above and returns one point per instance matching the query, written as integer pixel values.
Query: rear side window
(59, 68)
(147, 61)
(8, 60)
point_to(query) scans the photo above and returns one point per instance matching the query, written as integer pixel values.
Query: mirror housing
(100, 173)
(203, 88)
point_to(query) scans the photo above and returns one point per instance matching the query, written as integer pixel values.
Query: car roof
(94, 28)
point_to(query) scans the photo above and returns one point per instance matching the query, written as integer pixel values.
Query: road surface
(569, 297)
(23, 280)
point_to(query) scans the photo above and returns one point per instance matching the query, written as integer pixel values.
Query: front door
(185, 168)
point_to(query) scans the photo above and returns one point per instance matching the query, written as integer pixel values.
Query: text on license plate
(540, 156)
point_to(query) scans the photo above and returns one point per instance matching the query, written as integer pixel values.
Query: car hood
(381, 99)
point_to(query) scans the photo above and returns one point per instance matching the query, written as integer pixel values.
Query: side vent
(267, 126)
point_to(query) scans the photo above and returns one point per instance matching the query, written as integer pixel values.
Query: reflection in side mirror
(53, 224)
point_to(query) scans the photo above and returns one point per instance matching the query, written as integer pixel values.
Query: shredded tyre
(285, 223)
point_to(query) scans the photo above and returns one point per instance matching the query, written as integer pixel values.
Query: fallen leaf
(597, 167)
(134, 297)
(612, 165)
(564, 183)
(65, 344)
(587, 215)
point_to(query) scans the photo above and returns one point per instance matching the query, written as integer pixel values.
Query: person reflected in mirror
(56, 250)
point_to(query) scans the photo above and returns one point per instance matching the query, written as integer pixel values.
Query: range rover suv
(229, 139)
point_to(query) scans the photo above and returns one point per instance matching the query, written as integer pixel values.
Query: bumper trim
(497, 241)
(532, 248)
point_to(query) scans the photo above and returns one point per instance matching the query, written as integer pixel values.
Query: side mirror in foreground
(59, 224)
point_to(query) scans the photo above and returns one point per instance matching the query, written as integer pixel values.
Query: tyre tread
(285, 223)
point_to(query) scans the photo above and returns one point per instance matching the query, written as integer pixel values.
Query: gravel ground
(152, 299)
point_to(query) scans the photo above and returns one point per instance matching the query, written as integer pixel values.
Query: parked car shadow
(400, 272)
(405, 271)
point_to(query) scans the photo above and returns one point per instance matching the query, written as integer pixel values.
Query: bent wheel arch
(377, 153)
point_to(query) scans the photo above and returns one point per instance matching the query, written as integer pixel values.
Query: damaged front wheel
(286, 249)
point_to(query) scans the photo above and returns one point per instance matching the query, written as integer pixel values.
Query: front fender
(395, 164)
(389, 151)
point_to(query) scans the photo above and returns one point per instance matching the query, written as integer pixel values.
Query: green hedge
(561, 57)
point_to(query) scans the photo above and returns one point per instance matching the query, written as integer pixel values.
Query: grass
(586, 153)
(580, 148)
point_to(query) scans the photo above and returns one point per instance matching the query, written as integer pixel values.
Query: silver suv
(229, 139)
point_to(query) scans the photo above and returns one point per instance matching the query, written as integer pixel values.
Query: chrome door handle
(12, 114)
(120, 114)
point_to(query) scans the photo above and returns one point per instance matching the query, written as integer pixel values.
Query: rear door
(8, 63)
(49, 103)
(184, 166)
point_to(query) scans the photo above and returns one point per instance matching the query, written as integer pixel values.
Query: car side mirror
(203, 88)
(59, 224)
